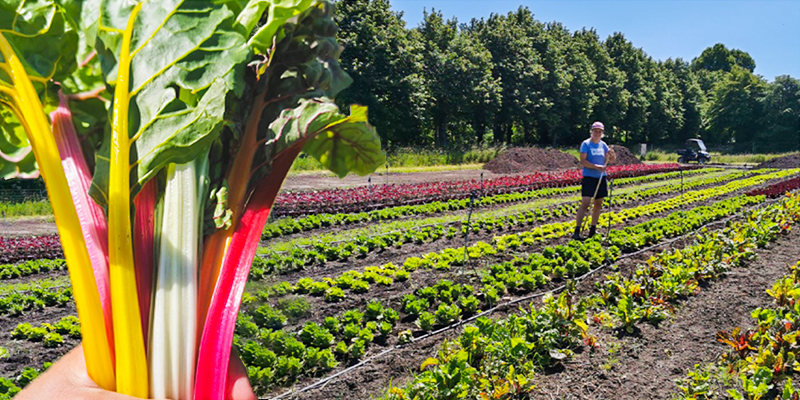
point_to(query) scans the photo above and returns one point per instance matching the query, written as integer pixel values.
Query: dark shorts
(589, 185)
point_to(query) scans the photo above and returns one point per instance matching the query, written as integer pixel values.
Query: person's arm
(585, 163)
(612, 156)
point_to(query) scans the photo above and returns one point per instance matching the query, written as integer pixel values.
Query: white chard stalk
(172, 350)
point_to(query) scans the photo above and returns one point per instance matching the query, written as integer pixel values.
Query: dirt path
(322, 180)
(27, 226)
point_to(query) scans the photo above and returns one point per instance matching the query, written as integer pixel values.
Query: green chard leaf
(42, 36)
(277, 12)
(341, 143)
(186, 59)
(303, 74)
(16, 155)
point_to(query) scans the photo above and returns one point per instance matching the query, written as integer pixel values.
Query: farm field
(473, 289)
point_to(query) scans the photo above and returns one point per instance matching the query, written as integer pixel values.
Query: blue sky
(768, 30)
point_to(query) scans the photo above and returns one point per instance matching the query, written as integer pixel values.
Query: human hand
(601, 168)
(67, 379)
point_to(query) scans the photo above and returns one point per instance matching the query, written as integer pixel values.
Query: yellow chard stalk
(131, 362)
(30, 111)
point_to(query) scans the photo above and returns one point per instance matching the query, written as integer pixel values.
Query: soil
(23, 353)
(624, 156)
(27, 226)
(531, 159)
(790, 161)
(644, 366)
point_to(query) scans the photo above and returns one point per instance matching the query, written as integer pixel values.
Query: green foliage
(426, 321)
(334, 294)
(7, 388)
(294, 308)
(268, 317)
(24, 209)
(316, 336)
(53, 339)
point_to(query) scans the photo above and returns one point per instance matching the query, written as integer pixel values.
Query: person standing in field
(595, 157)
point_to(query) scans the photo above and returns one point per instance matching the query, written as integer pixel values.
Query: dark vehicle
(695, 151)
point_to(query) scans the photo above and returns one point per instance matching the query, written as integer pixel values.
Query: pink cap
(598, 125)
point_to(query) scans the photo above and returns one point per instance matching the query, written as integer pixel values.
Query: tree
(640, 92)
(385, 62)
(665, 113)
(782, 115)
(719, 58)
(734, 113)
(517, 66)
(567, 90)
(608, 88)
(692, 99)
(458, 71)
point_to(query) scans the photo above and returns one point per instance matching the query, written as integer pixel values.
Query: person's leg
(596, 208)
(579, 218)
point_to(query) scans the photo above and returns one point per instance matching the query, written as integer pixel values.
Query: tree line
(511, 79)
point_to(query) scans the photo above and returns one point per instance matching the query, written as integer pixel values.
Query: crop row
(17, 249)
(760, 362)
(299, 258)
(289, 225)
(10, 387)
(382, 196)
(778, 188)
(49, 334)
(32, 267)
(502, 357)
(274, 356)
(624, 301)
(16, 303)
(447, 302)
(522, 275)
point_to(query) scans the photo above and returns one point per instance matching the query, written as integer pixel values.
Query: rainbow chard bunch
(172, 126)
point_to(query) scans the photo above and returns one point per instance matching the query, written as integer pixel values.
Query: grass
(385, 227)
(716, 157)
(25, 209)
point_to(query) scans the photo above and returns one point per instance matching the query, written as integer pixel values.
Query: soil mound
(531, 159)
(624, 156)
(790, 161)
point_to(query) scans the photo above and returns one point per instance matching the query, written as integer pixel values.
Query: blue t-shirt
(596, 154)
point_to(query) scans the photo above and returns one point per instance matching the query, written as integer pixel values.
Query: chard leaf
(341, 143)
(16, 158)
(277, 11)
(185, 58)
(42, 36)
